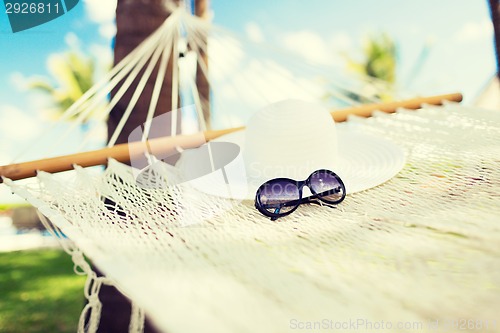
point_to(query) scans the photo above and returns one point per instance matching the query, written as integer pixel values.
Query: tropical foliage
(379, 59)
(378, 65)
(72, 74)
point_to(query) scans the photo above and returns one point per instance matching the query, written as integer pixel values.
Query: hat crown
(290, 139)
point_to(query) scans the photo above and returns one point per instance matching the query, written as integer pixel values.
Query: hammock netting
(424, 246)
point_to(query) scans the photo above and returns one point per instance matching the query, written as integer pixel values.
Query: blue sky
(458, 35)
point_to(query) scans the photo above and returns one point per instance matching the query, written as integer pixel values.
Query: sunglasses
(282, 196)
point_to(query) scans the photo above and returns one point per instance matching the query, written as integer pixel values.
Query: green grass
(39, 292)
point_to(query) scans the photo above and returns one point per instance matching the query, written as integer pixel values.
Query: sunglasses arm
(311, 200)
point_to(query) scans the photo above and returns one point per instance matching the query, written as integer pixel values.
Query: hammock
(423, 249)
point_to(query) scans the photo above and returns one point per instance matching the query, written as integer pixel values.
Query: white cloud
(341, 41)
(473, 31)
(72, 40)
(103, 54)
(243, 80)
(254, 32)
(225, 55)
(18, 80)
(308, 45)
(16, 125)
(267, 81)
(254, 81)
(101, 11)
(108, 30)
(257, 84)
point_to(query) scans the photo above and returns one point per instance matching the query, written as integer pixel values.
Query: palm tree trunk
(201, 10)
(495, 17)
(136, 20)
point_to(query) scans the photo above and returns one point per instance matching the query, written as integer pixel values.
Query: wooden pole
(201, 10)
(366, 110)
(495, 19)
(165, 145)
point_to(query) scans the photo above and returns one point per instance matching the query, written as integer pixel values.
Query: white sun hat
(292, 139)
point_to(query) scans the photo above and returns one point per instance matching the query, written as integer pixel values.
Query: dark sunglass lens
(327, 186)
(279, 196)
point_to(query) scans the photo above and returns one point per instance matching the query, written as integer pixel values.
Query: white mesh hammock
(422, 249)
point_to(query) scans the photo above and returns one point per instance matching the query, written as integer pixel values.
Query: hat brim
(365, 161)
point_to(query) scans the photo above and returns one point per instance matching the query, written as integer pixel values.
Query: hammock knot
(80, 264)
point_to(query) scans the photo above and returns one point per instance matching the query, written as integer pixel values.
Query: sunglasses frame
(300, 185)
